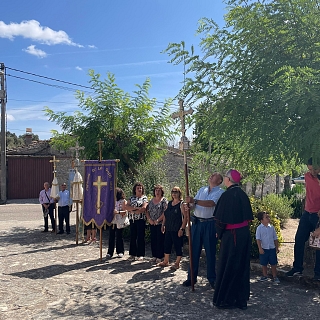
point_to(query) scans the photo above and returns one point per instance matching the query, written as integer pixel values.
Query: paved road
(44, 276)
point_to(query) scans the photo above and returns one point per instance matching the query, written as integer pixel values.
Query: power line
(62, 81)
(46, 84)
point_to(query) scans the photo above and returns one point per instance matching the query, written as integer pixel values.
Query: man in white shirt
(64, 208)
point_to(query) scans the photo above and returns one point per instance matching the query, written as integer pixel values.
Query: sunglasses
(174, 191)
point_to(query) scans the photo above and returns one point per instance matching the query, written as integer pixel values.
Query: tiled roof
(39, 147)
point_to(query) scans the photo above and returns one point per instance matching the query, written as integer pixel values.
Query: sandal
(163, 264)
(174, 267)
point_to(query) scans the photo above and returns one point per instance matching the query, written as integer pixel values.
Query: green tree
(14, 141)
(132, 127)
(257, 82)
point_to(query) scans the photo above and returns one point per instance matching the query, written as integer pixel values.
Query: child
(268, 246)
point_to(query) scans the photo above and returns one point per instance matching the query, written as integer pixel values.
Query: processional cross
(54, 165)
(77, 148)
(100, 142)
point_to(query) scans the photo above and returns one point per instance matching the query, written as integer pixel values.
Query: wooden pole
(77, 222)
(189, 223)
(100, 242)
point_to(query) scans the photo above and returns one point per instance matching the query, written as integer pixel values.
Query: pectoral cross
(99, 184)
(54, 165)
(100, 142)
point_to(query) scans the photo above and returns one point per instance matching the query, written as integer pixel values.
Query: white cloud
(10, 117)
(35, 52)
(78, 68)
(32, 29)
(92, 46)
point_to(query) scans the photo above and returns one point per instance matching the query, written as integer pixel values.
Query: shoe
(140, 259)
(276, 280)
(108, 256)
(120, 255)
(225, 306)
(45, 231)
(293, 272)
(163, 264)
(241, 306)
(174, 267)
(68, 232)
(263, 279)
(316, 277)
(53, 231)
(187, 283)
(212, 284)
(60, 232)
(131, 258)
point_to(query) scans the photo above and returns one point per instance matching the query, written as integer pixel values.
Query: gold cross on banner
(99, 184)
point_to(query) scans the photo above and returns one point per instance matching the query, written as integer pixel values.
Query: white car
(298, 180)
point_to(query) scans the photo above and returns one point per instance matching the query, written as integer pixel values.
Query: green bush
(257, 206)
(281, 205)
(297, 194)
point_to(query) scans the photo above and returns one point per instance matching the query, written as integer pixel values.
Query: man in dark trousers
(308, 222)
(64, 208)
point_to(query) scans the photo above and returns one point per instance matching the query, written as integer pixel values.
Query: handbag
(314, 242)
(121, 221)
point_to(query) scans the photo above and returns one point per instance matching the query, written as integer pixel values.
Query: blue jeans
(307, 224)
(204, 234)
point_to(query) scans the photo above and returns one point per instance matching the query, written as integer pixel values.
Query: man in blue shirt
(203, 227)
(64, 208)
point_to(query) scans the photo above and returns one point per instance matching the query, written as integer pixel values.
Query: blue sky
(63, 39)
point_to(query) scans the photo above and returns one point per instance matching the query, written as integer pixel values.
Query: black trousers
(137, 238)
(51, 215)
(157, 241)
(114, 233)
(64, 215)
(171, 237)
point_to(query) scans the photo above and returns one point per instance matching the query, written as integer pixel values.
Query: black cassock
(233, 275)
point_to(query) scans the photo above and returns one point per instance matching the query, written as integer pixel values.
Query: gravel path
(46, 276)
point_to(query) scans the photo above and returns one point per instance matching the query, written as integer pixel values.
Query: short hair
(220, 176)
(137, 184)
(158, 186)
(179, 191)
(119, 194)
(260, 215)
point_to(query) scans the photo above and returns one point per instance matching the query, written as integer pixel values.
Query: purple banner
(99, 191)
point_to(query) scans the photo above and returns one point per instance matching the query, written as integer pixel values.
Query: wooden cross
(54, 165)
(181, 114)
(99, 184)
(100, 142)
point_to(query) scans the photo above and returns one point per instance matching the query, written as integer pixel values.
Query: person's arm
(163, 225)
(276, 243)
(151, 222)
(184, 220)
(261, 251)
(203, 203)
(316, 232)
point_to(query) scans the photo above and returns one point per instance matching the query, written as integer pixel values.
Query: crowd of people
(218, 214)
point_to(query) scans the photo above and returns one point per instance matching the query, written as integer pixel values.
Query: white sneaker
(120, 255)
(140, 259)
(108, 256)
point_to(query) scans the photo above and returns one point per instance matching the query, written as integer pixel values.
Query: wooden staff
(189, 224)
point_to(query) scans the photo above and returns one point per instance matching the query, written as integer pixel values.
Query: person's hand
(319, 213)
(180, 233)
(278, 250)
(261, 251)
(115, 211)
(188, 199)
(151, 222)
(316, 233)
(163, 229)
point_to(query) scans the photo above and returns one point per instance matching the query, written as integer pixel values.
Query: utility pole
(3, 100)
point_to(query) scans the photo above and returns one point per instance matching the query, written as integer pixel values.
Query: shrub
(297, 194)
(281, 205)
(257, 206)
